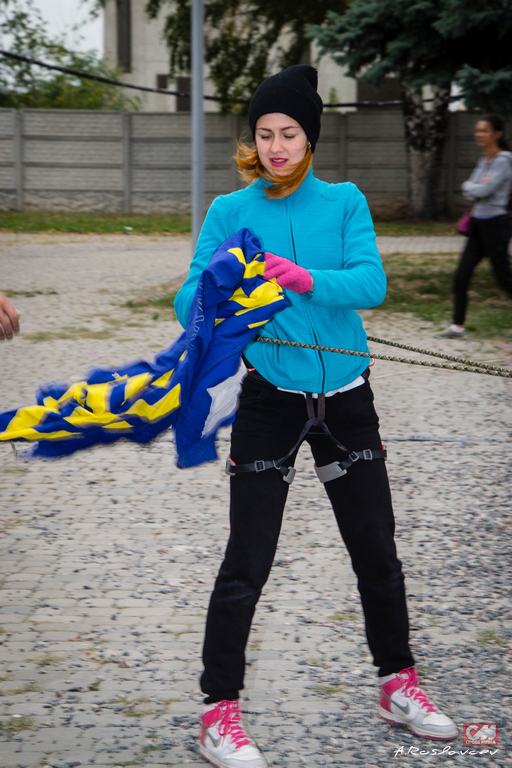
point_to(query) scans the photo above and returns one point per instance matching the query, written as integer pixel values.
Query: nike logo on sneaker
(216, 742)
(405, 709)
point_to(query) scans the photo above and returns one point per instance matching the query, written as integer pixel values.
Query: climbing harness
(315, 425)
(461, 363)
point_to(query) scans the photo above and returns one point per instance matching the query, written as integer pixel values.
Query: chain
(461, 364)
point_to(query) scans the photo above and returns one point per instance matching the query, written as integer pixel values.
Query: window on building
(162, 82)
(183, 103)
(306, 56)
(389, 90)
(124, 35)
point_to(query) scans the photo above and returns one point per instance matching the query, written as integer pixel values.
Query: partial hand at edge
(9, 319)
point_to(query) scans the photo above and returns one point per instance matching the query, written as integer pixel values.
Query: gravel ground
(108, 558)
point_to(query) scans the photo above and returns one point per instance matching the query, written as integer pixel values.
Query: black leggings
(488, 237)
(269, 423)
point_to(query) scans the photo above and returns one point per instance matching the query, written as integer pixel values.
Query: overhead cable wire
(183, 94)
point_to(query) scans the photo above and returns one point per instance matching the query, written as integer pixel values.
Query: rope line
(452, 358)
(463, 366)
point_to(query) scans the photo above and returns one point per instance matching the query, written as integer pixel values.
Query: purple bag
(463, 225)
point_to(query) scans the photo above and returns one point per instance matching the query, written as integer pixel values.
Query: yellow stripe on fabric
(163, 380)
(166, 405)
(136, 383)
(76, 392)
(24, 422)
(239, 254)
(265, 294)
(255, 325)
(254, 268)
(219, 320)
(98, 397)
(51, 403)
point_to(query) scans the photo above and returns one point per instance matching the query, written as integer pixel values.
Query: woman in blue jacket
(319, 245)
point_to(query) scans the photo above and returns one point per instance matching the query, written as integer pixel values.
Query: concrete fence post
(127, 161)
(18, 158)
(342, 146)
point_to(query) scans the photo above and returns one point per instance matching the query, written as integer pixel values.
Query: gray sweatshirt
(490, 196)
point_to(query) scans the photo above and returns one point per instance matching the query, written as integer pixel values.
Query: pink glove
(287, 274)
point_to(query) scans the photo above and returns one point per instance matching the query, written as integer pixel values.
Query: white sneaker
(223, 740)
(402, 701)
(451, 333)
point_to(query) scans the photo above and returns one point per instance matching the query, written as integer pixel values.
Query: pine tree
(426, 42)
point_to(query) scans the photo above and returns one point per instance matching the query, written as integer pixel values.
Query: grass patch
(94, 686)
(69, 332)
(47, 658)
(330, 688)
(132, 708)
(14, 470)
(27, 688)
(9, 523)
(490, 637)
(343, 617)
(160, 298)
(411, 228)
(125, 763)
(95, 223)
(15, 724)
(29, 294)
(166, 223)
(421, 284)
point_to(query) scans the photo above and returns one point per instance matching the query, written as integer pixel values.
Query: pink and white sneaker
(402, 701)
(223, 740)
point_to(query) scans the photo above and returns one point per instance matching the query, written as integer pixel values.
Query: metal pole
(197, 119)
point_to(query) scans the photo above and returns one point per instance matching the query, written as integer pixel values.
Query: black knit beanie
(291, 92)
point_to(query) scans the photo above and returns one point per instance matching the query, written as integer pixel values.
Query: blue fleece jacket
(326, 228)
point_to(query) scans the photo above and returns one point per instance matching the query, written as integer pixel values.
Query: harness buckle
(368, 454)
(288, 474)
(353, 457)
(259, 465)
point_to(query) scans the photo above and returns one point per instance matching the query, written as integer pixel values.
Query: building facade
(136, 44)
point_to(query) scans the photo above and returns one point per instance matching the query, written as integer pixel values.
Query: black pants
(487, 237)
(269, 423)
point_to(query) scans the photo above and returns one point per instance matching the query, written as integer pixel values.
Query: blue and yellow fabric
(192, 386)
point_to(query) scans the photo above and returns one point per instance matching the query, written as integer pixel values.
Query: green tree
(423, 42)
(484, 28)
(244, 40)
(23, 31)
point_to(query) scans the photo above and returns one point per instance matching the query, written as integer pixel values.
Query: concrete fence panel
(112, 161)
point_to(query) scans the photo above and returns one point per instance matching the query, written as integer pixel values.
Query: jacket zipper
(322, 365)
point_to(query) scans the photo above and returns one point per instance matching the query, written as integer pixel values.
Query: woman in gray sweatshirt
(489, 188)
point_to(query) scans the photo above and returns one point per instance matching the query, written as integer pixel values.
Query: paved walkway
(108, 557)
